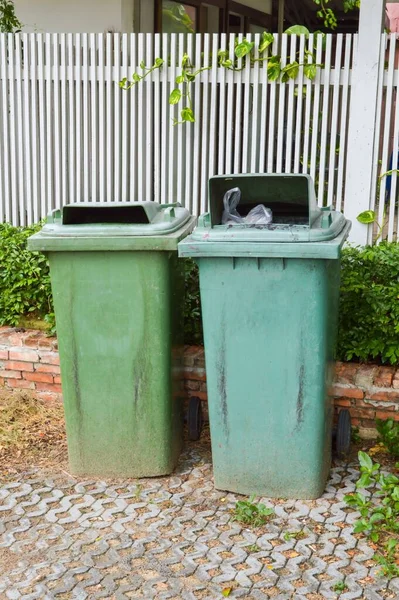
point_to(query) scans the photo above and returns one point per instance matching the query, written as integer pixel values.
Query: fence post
(362, 117)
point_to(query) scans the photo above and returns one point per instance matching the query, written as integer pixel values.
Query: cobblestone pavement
(174, 538)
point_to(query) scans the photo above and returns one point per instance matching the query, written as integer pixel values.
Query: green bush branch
(9, 22)
(327, 14)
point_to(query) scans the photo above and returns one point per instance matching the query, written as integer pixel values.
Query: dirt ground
(32, 434)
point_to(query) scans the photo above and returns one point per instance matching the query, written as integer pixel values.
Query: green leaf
(365, 461)
(297, 30)
(374, 536)
(175, 96)
(350, 499)
(159, 62)
(310, 71)
(364, 481)
(361, 499)
(187, 115)
(376, 518)
(243, 48)
(185, 61)
(361, 526)
(366, 217)
(226, 63)
(136, 78)
(291, 70)
(266, 40)
(180, 79)
(273, 68)
(142, 65)
(226, 592)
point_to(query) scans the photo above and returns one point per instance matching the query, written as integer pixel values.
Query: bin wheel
(343, 434)
(194, 418)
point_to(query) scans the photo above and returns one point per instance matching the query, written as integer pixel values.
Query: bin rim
(196, 246)
(162, 219)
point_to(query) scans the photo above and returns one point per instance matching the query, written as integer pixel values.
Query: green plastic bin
(117, 291)
(269, 298)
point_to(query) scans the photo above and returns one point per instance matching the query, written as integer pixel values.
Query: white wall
(61, 16)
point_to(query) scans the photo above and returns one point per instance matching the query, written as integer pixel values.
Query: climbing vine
(235, 59)
(370, 217)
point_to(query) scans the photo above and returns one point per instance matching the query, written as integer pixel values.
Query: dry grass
(32, 432)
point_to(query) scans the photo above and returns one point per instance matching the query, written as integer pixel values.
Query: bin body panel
(115, 312)
(269, 327)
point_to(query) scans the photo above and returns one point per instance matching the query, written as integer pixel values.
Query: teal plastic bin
(269, 298)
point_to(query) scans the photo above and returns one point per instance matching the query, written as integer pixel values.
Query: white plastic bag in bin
(259, 215)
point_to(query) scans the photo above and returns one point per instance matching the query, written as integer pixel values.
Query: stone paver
(174, 538)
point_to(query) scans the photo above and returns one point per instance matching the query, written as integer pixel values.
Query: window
(243, 19)
(192, 16)
(178, 18)
(211, 16)
(255, 28)
(236, 23)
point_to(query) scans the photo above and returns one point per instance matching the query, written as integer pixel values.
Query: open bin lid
(112, 226)
(296, 218)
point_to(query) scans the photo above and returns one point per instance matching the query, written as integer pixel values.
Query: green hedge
(369, 314)
(24, 277)
(369, 311)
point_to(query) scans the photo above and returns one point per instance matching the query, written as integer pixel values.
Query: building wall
(146, 16)
(96, 16)
(262, 5)
(128, 16)
(74, 16)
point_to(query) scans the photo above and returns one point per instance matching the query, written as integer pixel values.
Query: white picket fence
(69, 133)
(386, 147)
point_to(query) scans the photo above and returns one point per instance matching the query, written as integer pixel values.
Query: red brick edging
(29, 360)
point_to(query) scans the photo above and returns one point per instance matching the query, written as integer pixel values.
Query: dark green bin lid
(113, 226)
